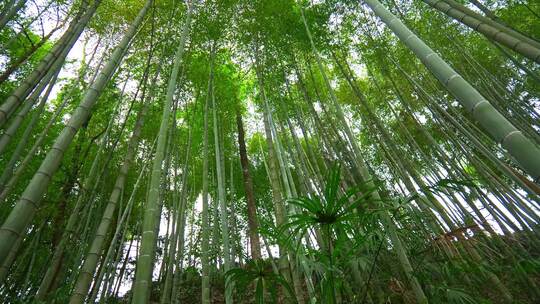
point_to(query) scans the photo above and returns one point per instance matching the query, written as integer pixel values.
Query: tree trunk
(253, 223)
(509, 38)
(25, 209)
(94, 253)
(58, 52)
(15, 64)
(502, 131)
(12, 10)
(143, 276)
(222, 201)
(205, 226)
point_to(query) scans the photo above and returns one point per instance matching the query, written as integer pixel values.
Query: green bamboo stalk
(169, 258)
(94, 253)
(205, 225)
(25, 209)
(485, 10)
(48, 81)
(125, 214)
(8, 170)
(123, 269)
(366, 178)
(479, 164)
(494, 23)
(13, 177)
(143, 276)
(165, 195)
(468, 133)
(175, 273)
(6, 266)
(58, 254)
(502, 131)
(66, 42)
(30, 270)
(524, 46)
(222, 201)
(273, 173)
(236, 242)
(11, 11)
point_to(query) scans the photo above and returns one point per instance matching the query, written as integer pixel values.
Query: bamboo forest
(270, 151)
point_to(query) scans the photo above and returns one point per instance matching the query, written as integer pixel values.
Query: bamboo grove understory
(269, 151)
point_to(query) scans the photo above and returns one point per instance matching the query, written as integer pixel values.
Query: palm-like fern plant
(335, 216)
(258, 273)
(333, 213)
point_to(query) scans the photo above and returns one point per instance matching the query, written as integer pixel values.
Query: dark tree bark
(253, 224)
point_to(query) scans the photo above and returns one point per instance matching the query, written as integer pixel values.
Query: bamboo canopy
(284, 151)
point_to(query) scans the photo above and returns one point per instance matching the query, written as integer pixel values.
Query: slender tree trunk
(253, 223)
(173, 274)
(123, 269)
(502, 131)
(89, 182)
(15, 124)
(493, 23)
(94, 253)
(124, 216)
(25, 209)
(509, 38)
(12, 177)
(366, 178)
(222, 201)
(485, 10)
(15, 64)
(58, 52)
(143, 276)
(273, 174)
(12, 9)
(205, 227)
(67, 187)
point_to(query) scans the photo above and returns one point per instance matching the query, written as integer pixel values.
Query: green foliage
(464, 211)
(333, 213)
(258, 274)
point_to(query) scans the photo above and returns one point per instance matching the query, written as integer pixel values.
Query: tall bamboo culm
(145, 259)
(525, 152)
(23, 212)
